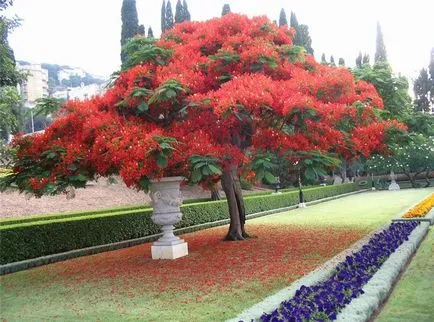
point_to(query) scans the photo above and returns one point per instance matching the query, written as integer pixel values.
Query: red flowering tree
(202, 102)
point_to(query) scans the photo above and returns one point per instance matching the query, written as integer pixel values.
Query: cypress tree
(380, 52)
(169, 16)
(141, 30)
(341, 62)
(187, 16)
(306, 41)
(302, 37)
(366, 59)
(282, 18)
(150, 33)
(359, 60)
(323, 59)
(226, 9)
(179, 12)
(421, 90)
(332, 61)
(130, 22)
(163, 17)
(431, 77)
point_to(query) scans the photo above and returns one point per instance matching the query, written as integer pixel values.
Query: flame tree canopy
(201, 102)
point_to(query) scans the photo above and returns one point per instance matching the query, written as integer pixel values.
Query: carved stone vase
(166, 200)
(393, 185)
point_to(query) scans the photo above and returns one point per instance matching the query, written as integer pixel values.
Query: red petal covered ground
(277, 252)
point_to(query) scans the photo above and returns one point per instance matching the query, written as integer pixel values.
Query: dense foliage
(222, 90)
(323, 301)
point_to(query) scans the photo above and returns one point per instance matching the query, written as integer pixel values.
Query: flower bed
(325, 300)
(421, 209)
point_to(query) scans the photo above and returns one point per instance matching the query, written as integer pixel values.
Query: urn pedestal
(393, 185)
(166, 200)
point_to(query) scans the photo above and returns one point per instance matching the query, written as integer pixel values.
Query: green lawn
(412, 298)
(368, 210)
(216, 281)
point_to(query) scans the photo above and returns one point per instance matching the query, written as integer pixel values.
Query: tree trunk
(232, 188)
(215, 194)
(413, 182)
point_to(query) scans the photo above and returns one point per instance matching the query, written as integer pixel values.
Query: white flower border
(323, 272)
(376, 290)
(379, 286)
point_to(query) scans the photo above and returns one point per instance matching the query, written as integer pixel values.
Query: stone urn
(393, 185)
(166, 200)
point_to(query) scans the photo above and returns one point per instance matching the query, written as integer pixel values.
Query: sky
(86, 33)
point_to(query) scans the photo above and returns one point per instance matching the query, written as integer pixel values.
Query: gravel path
(97, 195)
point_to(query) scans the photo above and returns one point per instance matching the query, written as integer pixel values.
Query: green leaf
(162, 160)
(170, 93)
(196, 175)
(82, 177)
(145, 183)
(143, 107)
(269, 177)
(214, 169)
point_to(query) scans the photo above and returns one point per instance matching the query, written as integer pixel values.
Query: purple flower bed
(323, 301)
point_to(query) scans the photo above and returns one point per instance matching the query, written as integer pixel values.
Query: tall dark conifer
(150, 33)
(359, 60)
(341, 62)
(421, 90)
(179, 12)
(187, 16)
(332, 61)
(323, 59)
(282, 18)
(169, 16)
(366, 59)
(380, 52)
(302, 37)
(226, 9)
(130, 22)
(163, 16)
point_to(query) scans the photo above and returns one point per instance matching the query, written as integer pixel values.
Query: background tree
(366, 59)
(169, 16)
(380, 51)
(10, 111)
(187, 16)
(150, 33)
(179, 12)
(164, 116)
(421, 88)
(392, 89)
(302, 37)
(282, 18)
(414, 158)
(226, 9)
(163, 16)
(323, 59)
(130, 22)
(141, 30)
(9, 76)
(341, 62)
(359, 60)
(332, 61)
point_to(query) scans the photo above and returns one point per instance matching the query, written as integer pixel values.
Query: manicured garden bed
(412, 297)
(216, 281)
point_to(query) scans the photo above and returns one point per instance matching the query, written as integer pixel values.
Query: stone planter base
(169, 251)
(302, 205)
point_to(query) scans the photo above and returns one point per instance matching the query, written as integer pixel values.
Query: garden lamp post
(372, 181)
(301, 203)
(277, 183)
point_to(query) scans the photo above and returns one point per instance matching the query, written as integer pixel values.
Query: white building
(82, 92)
(36, 84)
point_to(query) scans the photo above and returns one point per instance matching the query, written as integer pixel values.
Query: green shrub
(30, 239)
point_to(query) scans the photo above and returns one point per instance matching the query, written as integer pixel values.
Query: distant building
(83, 92)
(36, 84)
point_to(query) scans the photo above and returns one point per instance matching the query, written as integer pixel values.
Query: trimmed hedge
(25, 240)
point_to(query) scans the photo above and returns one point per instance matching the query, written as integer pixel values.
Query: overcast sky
(86, 33)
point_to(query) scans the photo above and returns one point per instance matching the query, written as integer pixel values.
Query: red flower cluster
(224, 87)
